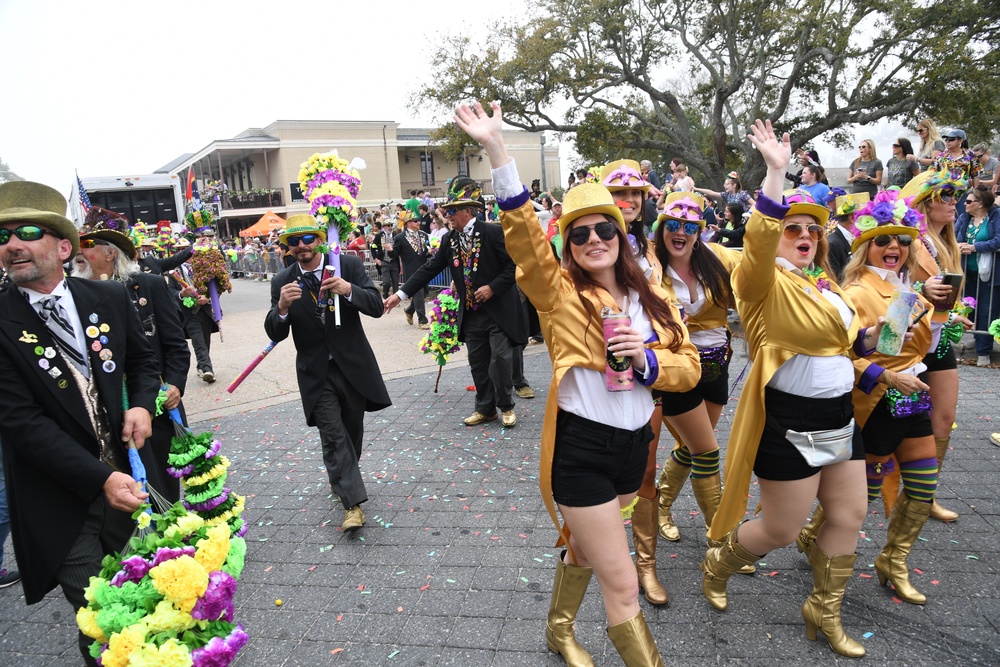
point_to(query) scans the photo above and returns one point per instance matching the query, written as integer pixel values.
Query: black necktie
(311, 283)
(57, 320)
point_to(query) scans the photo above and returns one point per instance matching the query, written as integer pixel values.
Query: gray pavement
(456, 562)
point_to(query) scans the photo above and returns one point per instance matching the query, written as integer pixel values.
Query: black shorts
(948, 362)
(777, 459)
(883, 432)
(715, 391)
(594, 463)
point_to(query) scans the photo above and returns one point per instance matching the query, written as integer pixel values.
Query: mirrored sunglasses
(945, 196)
(580, 235)
(91, 243)
(690, 228)
(794, 231)
(882, 240)
(24, 232)
(293, 241)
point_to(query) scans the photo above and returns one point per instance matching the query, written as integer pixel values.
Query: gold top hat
(623, 175)
(302, 223)
(884, 215)
(29, 202)
(683, 207)
(922, 186)
(800, 202)
(109, 226)
(589, 198)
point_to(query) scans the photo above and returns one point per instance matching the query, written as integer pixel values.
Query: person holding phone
(866, 169)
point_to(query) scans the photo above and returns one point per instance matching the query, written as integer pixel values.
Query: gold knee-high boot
(634, 643)
(908, 517)
(708, 494)
(568, 589)
(671, 482)
(821, 610)
(938, 512)
(720, 562)
(811, 530)
(644, 538)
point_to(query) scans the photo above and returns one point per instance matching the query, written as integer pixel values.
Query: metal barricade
(986, 295)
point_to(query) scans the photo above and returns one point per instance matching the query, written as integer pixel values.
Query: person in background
(960, 162)
(734, 229)
(804, 157)
(384, 254)
(425, 218)
(356, 242)
(813, 176)
(682, 182)
(978, 236)
(650, 176)
(412, 246)
(931, 144)
(990, 164)
(902, 166)
(866, 169)
(840, 237)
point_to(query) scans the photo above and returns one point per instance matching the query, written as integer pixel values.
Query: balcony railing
(256, 198)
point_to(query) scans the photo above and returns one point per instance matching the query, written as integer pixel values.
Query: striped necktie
(56, 319)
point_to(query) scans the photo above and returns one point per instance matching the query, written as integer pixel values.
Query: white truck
(148, 198)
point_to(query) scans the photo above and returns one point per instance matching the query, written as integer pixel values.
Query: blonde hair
(933, 134)
(871, 150)
(859, 260)
(948, 254)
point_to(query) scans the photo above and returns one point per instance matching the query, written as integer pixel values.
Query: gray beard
(86, 271)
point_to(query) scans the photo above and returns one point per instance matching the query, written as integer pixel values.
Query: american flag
(84, 197)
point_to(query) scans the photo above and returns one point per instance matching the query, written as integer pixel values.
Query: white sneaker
(983, 360)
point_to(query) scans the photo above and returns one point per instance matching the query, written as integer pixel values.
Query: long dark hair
(707, 268)
(629, 275)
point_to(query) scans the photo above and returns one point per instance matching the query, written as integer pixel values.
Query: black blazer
(50, 450)
(316, 342)
(838, 254)
(495, 269)
(382, 248)
(411, 259)
(161, 320)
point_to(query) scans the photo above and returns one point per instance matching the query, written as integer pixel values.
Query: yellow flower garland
(212, 552)
(214, 472)
(181, 580)
(236, 510)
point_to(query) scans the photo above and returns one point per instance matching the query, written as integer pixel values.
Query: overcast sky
(114, 88)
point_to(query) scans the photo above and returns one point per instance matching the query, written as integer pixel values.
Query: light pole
(545, 187)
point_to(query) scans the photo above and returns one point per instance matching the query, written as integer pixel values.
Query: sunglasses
(690, 228)
(921, 129)
(882, 240)
(794, 231)
(90, 243)
(945, 197)
(896, 146)
(580, 235)
(450, 212)
(294, 241)
(950, 138)
(979, 156)
(24, 232)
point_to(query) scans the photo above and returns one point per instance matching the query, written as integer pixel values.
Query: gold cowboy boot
(634, 643)
(708, 494)
(938, 512)
(671, 482)
(719, 564)
(644, 538)
(568, 589)
(908, 517)
(810, 530)
(821, 610)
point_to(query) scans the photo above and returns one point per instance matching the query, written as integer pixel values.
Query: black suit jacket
(161, 320)
(159, 266)
(411, 259)
(839, 253)
(496, 269)
(316, 341)
(50, 450)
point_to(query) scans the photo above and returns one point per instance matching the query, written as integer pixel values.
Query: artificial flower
(170, 653)
(86, 620)
(121, 645)
(181, 580)
(166, 618)
(217, 602)
(220, 652)
(212, 551)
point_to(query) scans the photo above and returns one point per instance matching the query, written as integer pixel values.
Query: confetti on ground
(865, 576)
(935, 582)
(772, 574)
(918, 570)
(897, 600)
(971, 557)
(868, 635)
(393, 654)
(336, 651)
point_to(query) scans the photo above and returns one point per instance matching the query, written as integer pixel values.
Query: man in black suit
(339, 378)
(150, 263)
(840, 237)
(491, 321)
(106, 251)
(384, 254)
(62, 418)
(411, 246)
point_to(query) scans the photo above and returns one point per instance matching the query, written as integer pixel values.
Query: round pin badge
(93, 318)
(96, 346)
(103, 339)
(108, 366)
(106, 355)
(50, 352)
(39, 350)
(142, 301)
(92, 332)
(105, 328)
(43, 364)
(62, 384)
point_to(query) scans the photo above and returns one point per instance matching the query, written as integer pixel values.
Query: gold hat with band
(891, 214)
(923, 186)
(683, 207)
(800, 202)
(586, 199)
(623, 175)
(37, 204)
(299, 224)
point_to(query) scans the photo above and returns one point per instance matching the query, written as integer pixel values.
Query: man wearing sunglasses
(491, 321)
(66, 347)
(339, 378)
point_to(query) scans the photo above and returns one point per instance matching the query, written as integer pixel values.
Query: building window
(426, 168)
(463, 165)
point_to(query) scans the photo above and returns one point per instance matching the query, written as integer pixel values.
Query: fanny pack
(714, 361)
(906, 405)
(822, 448)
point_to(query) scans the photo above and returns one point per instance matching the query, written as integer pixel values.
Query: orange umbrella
(268, 223)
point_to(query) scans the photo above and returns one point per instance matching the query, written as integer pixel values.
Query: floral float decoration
(208, 265)
(442, 338)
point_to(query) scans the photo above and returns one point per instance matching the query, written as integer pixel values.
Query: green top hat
(34, 203)
(464, 192)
